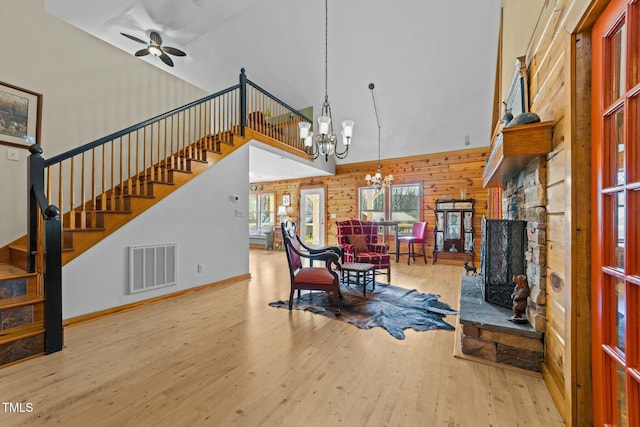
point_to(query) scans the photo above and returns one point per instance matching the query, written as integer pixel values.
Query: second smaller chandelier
(376, 180)
(325, 140)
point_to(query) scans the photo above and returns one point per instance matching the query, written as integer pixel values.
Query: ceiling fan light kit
(155, 48)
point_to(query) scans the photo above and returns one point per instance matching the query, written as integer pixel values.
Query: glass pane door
(312, 216)
(616, 197)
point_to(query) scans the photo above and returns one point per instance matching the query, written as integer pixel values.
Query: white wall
(90, 89)
(200, 218)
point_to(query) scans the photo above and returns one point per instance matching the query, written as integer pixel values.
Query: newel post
(243, 101)
(53, 338)
(35, 179)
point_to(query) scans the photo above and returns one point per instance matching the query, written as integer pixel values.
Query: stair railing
(272, 117)
(96, 177)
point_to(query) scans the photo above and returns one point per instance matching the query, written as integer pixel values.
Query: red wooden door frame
(603, 208)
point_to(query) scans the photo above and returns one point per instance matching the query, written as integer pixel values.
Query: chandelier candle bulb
(304, 130)
(308, 140)
(323, 123)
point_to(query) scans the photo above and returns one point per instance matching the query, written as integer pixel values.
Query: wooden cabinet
(454, 230)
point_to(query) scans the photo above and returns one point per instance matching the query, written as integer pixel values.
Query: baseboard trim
(73, 321)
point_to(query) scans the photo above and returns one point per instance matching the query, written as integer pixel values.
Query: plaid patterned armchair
(359, 242)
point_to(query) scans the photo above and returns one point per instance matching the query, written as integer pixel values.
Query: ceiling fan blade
(173, 51)
(134, 38)
(155, 38)
(165, 58)
(142, 52)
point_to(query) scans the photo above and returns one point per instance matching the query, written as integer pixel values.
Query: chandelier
(325, 140)
(377, 181)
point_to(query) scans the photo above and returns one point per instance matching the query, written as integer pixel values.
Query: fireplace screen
(502, 258)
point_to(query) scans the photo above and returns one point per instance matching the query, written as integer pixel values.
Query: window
(371, 204)
(262, 213)
(405, 206)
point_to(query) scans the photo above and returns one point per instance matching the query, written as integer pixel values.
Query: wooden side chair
(311, 278)
(418, 235)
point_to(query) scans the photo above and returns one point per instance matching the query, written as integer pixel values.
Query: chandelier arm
(315, 153)
(342, 155)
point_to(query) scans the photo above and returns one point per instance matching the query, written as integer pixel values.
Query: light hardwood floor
(223, 357)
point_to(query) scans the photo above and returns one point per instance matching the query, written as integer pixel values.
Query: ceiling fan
(155, 48)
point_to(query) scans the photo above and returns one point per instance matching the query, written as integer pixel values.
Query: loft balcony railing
(86, 181)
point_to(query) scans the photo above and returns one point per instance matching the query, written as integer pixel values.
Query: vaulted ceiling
(433, 62)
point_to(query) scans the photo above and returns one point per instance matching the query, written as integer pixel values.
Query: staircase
(21, 308)
(103, 185)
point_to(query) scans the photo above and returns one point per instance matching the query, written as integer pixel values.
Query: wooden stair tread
(141, 196)
(19, 302)
(158, 181)
(20, 332)
(107, 211)
(10, 271)
(180, 170)
(83, 229)
(199, 160)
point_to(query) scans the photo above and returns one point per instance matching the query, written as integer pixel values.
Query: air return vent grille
(152, 267)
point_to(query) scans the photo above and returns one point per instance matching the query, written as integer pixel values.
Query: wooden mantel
(513, 148)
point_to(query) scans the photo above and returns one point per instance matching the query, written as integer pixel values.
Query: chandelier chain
(326, 50)
(375, 109)
(376, 180)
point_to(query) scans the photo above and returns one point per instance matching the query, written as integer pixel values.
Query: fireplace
(485, 301)
(502, 257)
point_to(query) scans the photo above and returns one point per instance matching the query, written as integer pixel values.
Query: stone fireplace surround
(486, 331)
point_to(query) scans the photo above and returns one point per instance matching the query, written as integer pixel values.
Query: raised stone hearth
(487, 332)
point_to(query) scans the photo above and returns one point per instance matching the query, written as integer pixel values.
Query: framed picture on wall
(286, 199)
(20, 115)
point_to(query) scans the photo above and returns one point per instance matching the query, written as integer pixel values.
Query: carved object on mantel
(513, 148)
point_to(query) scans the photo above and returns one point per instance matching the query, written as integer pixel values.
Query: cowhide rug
(389, 307)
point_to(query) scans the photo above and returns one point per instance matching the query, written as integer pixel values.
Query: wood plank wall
(439, 174)
(548, 98)
(555, 86)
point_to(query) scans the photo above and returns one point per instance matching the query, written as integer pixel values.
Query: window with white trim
(262, 213)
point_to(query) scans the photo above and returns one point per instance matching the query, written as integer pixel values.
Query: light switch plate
(12, 154)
